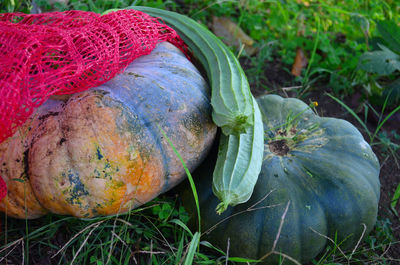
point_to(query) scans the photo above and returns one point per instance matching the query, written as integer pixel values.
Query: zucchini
(238, 164)
(234, 110)
(231, 98)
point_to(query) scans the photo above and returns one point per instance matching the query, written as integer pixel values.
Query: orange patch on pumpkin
(137, 181)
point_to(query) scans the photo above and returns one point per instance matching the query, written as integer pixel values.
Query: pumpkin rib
(152, 131)
(152, 125)
(348, 165)
(297, 190)
(154, 137)
(348, 157)
(314, 192)
(318, 163)
(158, 77)
(177, 63)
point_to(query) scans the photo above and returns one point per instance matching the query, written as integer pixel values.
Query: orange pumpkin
(102, 151)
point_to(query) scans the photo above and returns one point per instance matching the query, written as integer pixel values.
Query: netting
(67, 52)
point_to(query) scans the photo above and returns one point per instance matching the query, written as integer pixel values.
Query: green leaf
(383, 62)
(243, 260)
(209, 245)
(352, 113)
(390, 33)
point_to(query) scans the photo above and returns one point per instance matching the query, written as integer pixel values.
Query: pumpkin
(105, 151)
(318, 174)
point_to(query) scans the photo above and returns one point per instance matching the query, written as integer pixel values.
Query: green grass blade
(243, 260)
(179, 252)
(384, 120)
(352, 113)
(395, 199)
(181, 224)
(192, 249)
(314, 51)
(192, 185)
(209, 245)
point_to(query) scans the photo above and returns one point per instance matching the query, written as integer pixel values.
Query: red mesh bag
(67, 52)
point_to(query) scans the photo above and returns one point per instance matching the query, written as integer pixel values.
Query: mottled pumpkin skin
(325, 172)
(102, 151)
(20, 200)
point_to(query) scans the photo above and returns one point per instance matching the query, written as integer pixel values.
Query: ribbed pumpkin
(102, 151)
(320, 168)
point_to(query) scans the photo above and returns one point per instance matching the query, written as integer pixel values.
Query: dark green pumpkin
(320, 168)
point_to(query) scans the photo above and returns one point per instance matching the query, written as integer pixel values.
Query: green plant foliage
(99, 6)
(154, 233)
(8, 6)
(390, 32)
(395, 199)
(381, 121)
(382, 235)
(384, 61)
(343, 34)
(392, 92)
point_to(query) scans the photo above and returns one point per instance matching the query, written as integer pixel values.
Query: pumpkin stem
(279, 147)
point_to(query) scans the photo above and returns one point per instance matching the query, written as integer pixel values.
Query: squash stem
(221, 207)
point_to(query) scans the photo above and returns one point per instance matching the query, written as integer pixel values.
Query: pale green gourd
(234, 110)
(238, 165)
(231, 98)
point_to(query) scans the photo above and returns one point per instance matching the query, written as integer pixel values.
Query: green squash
(320, 169)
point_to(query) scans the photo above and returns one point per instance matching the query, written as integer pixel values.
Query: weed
(9, 6)
(255, 72)
(155, 231)
(99, 6)
(384, 61)
(381, 121)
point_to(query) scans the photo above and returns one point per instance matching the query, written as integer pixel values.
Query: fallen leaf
(299, 62)
(305, 3)
(232, 34)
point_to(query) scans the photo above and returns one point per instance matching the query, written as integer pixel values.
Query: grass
(156, 232)
(15, 6)
(333, 35)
